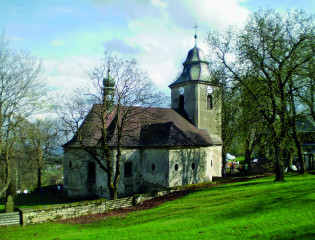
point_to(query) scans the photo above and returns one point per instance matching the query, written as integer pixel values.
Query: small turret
(108, 90)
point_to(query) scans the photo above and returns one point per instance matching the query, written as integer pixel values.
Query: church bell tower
(193, 96)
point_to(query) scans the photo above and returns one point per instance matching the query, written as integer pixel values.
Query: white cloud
(159, 35)
(159, 3)
(121, 47)
(67, 73)
(215, 14)
(166, 37)
(57, 43)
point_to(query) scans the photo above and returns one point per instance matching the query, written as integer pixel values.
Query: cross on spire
(195, 27)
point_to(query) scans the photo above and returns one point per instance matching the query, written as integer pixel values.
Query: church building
(181, 147)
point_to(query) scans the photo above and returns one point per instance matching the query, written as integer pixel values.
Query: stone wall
(70, 210)
(63, 211)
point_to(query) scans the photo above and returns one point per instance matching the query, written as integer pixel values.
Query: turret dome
(108, 82)
(195, 68)
(195, 55)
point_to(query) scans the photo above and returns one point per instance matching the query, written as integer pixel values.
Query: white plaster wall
(134, 181)
(159, 176)
(76, 175)
(209, 164)
(79, 186)
(163, 175)
(216, 157)
(185, 174)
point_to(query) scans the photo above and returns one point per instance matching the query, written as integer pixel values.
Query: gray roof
(195, 68)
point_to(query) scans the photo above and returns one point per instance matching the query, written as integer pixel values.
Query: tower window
(181, 102)
(209, 102)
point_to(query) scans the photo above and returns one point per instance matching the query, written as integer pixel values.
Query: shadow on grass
(241, 182)
(272, 200)
(304, 232)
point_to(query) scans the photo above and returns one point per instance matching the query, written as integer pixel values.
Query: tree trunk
(39, 177)
(279, 171)
(7, 175)
(118, 162)
(113, 194)
(301, 160)
(39, 165)
(5, 187)
(110, 183)
(279, 166)
(223, 158)
(295, 135)
(290, 160)
(248, 153)
(299, 149)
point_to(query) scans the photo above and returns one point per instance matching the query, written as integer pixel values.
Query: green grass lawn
(257, 209)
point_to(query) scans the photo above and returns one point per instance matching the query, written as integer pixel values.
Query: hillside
(257, 209)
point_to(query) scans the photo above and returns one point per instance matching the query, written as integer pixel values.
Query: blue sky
(69, 36)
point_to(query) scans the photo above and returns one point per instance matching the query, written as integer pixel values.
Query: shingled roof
(145, 127)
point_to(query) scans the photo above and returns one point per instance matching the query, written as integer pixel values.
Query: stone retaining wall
(70, 210)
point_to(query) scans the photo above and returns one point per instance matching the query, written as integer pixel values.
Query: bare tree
(21, 90)
(121, 90)
(40, 141)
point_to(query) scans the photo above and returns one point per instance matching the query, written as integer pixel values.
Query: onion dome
(109, 82)
(195, 67)
(108, 91)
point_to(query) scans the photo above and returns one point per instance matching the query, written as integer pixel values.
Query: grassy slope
(258, 209)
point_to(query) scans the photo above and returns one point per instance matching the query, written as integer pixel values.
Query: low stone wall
(70, 210)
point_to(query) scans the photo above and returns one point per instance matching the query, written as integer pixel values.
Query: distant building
(182, 146)
(306, 131)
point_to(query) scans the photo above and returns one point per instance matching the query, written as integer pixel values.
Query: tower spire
(195, 27)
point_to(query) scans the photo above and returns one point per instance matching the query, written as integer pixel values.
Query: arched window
(91, 171)
(181, 102)
(128, 169)
(209, 102)
(193, 166)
